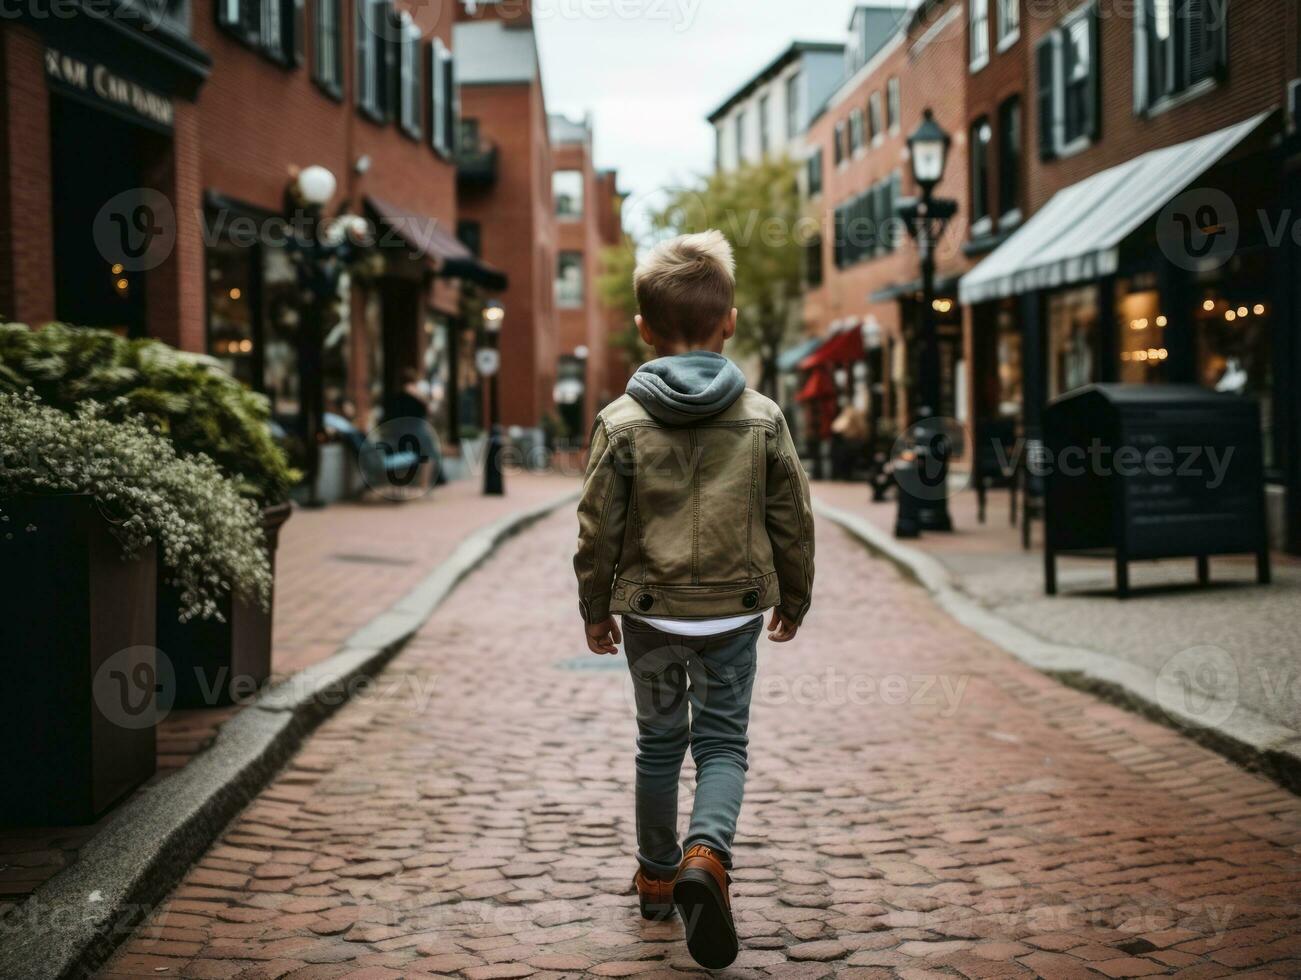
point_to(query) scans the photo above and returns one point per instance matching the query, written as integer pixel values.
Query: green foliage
(615, 289)
(210, 539)
(199, 407)
(760, 210)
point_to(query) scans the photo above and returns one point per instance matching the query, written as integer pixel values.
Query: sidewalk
(1234, 639)
(337, 569)
(919, 805)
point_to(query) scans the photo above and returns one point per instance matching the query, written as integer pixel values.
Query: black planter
(77, 706)
(218, 663)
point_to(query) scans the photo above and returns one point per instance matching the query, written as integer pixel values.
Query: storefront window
(438, 372)
(1010, 370)
(1233, 351)
(1141, 338)
(1072, 339)
(469, 409)
(280, 341)
(230, 309)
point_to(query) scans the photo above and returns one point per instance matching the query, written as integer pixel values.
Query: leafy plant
(199, 407)
(210, 538)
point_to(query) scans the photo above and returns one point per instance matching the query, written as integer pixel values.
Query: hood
(687, 388)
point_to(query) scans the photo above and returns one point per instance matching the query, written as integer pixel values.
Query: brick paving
(920, 805)
(337, 568)
(1168, 623)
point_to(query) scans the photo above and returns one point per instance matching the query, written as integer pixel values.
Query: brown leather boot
(656, 896)
(701, 896)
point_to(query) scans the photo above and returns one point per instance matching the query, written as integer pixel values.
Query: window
(567, 191)
(855, 130)
(718, 148)
(981, 135)
(765, 134)
(410, 74)
(1066, 75)
(865, 225)
(813, 263)
(978, 34)
(740, 138)
(470, 234)
(893, 109)
(275, 27)
(1009, 23)
(327, 66)
(444, 107)
(569, 280)
(815, 173)
(375, 58)
(1178, 44)
(1009, 157)
(875, 128)
(839, 143)
(794, 117)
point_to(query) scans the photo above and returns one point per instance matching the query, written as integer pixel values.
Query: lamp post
(926, 218)
(320, 255)
(488, 360)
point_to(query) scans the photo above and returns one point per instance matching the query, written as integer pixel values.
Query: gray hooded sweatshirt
(683, 389)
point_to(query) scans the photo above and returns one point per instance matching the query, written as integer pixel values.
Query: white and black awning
(1076, 236)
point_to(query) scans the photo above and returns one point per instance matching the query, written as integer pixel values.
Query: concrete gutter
(1244, 736)
(72, 924)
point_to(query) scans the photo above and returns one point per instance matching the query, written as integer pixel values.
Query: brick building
(1155, 153)
(584, 205)
(147, 174)
(864, 276)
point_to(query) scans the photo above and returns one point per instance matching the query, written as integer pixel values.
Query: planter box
(77, 627)
(218, 663)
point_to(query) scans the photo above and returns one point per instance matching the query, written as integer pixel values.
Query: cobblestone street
(920, 804)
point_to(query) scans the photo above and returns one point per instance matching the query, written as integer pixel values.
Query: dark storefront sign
(97, 84)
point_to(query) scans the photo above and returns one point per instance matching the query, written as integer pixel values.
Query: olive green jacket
(694, 522)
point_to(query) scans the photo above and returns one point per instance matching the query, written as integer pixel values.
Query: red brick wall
(931, 66)
(1006, 74)
(26, 199)
(518, 236)
(1259, 50)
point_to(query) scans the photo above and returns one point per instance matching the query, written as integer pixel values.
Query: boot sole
(711, 934)
(656, 911)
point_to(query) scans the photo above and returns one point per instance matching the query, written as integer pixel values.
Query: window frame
(236, 18)
(793, 108)
(582, 195)
(1007, 23)
(764, 108)
(1185, 82)
(1056, 141)
(444, 100)
(977, 35)
(1010, 140)
(332, 82)
(375, 88)
(838, 143)
(893, 104)
(875, 120)
(856, 123)
(814, 171)
(411, 77)
(564, 302)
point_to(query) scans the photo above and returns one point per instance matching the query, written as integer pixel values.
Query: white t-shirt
(701, 627)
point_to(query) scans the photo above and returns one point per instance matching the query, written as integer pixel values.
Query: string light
(1230, 315)
(1208, 305)
(1242, 311)
(1258, 309)
(1161, 320)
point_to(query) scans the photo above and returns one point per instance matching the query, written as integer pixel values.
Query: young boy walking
(694, 522)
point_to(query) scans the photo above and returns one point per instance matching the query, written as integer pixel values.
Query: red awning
(845, 347)
(819, 386)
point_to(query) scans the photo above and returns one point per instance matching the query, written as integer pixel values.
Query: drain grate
(371, 560)
(592, 663)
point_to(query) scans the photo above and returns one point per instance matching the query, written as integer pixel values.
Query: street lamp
(488, 360)
(925, 505)
(320, 257)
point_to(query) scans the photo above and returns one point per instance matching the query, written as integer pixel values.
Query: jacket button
(645, 601)
(750, 600)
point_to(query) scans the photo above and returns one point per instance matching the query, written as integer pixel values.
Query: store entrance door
(104, 227)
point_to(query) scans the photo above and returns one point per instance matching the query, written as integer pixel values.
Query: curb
(1244, 736)
(72, 924)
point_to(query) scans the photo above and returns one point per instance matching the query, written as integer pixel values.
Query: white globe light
(316, 185)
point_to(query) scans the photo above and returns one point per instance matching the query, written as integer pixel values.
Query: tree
(760, 210)
(615, 289)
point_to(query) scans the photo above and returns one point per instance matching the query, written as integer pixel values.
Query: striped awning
(1076, 236)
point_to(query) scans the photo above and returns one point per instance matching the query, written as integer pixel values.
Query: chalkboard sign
(1153, 471)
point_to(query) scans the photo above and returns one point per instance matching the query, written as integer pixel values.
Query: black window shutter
(448, 68)
(389, 42)
(361, 36)
(1205, 28)
(1093, 124)
(295, 21)
(1045, 82)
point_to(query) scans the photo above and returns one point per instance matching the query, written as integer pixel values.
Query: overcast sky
(650, 70)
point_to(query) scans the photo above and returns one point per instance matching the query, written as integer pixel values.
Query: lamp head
(928, 150)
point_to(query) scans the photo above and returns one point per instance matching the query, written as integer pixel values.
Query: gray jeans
(713, 677)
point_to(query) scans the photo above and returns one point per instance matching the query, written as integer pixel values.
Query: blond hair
(686, 285)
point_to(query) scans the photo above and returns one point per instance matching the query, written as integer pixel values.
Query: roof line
(787, 55)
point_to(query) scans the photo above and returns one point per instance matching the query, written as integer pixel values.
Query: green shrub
(198, 406)
(210, 539)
